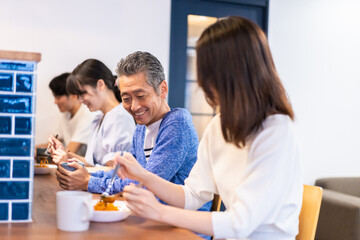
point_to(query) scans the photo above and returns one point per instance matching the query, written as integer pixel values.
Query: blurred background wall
(316, 48)
(315, 45)
(67, 32)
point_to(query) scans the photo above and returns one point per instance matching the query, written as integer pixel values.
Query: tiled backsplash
(17, 121)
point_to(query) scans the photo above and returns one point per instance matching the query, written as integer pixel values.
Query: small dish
(110, 216)
(50, 168)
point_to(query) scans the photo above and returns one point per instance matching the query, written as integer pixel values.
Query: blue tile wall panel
(20, 211)
(6, 81)
(24, 82)
(4, 211)
(21, 168)
(23, 125)
(15, 147)
(17, 66)
(4, 168)
(14, 190)
(5, 125)
(15, 104)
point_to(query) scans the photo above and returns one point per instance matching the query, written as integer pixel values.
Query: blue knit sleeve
(99, 184)
(167, 157)
(99, 174)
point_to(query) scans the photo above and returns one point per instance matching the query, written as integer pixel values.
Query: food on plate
(103, 206)
(43, 162)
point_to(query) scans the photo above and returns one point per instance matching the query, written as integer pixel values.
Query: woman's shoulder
(119, 110)
(213, 129)
(273, 127)
(278, 121)
(118, 119)
(119, 113)
(276, 128)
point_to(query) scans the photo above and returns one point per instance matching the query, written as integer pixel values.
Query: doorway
(188, 19)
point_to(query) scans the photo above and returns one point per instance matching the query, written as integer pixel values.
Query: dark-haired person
(112, 128)
(74, 125)
(248, 154)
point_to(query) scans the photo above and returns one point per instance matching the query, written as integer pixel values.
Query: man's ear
(163, 88)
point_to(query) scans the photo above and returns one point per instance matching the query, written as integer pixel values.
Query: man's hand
(76, 180)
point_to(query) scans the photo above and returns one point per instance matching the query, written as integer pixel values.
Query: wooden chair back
(216, 203)
(309, 213)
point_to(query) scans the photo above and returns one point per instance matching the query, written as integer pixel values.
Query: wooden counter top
(44, 227)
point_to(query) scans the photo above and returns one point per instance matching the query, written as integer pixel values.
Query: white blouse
(260, 184)
(114, 134)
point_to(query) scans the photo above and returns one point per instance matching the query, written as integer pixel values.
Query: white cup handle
(90, 212)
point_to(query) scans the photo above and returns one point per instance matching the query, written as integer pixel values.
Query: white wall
(316, 48)
(315, 44)
(67, 32)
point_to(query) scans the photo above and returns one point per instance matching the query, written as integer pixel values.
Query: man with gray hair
(165, 141)
(142, 62)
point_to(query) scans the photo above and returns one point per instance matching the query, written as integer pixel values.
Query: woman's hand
(55, 143)
(59, 156)
(143, 203)
(129, 167)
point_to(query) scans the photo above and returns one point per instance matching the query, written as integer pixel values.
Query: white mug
(74, 210)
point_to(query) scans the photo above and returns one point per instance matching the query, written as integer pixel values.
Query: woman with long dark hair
(112, 128)
(248, 154)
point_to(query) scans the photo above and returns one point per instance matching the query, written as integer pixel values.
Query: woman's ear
(163, 88)
(100, 85)
(73, 97)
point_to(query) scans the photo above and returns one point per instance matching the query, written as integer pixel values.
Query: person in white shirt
(248, 154)
(75, 122)
(112, 128)
(76, 129)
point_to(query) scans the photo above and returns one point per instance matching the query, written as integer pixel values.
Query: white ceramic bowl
(51, 168)
(111, 216)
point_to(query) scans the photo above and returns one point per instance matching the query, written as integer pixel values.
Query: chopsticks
(49, 146)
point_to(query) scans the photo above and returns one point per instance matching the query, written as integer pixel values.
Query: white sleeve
(117, 135)
(272, 178)
(200, 186)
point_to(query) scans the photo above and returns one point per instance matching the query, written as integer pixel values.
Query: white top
(260, 184)
(150, 138)
(76, 128)
(114, 134)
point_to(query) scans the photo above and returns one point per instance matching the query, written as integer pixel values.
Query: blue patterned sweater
(172, 158)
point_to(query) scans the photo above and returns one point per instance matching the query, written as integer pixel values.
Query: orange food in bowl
(102, 206)
(43, 162)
